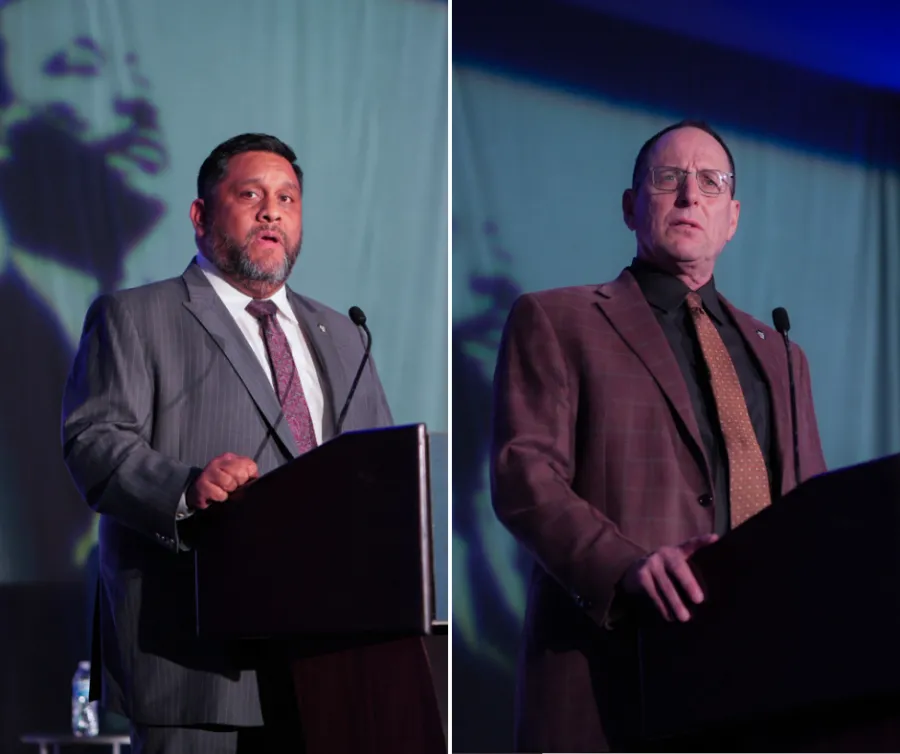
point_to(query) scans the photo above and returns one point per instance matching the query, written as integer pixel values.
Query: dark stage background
(107, 110)
(551, 102)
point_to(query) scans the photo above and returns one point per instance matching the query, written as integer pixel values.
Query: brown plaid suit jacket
(596, 460)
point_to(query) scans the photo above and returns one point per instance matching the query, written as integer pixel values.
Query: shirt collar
(667, 293)
(235, 299)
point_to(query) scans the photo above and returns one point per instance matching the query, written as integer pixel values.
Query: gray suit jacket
(163, 382)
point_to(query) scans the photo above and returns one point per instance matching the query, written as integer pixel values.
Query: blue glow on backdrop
(857, 42)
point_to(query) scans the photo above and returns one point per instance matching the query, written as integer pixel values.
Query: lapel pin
(322, 327)
(761, 334)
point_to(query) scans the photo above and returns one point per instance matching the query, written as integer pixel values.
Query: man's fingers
(241, 468)
(242, 472)
(214, 492)
(221, 477)
(683, 574)
(653, 593)
(667, 579)
(670, 593)
(247, 470)
(239, 474)
(692, 545)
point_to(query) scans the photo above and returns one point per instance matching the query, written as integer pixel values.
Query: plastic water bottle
(85, 718)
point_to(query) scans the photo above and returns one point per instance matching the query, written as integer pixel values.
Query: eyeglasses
(711, 182)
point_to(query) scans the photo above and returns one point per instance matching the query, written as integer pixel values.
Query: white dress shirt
(236, 303)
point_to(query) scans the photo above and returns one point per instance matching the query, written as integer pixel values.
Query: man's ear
(199, 217)
(628, 201)
(733, 221)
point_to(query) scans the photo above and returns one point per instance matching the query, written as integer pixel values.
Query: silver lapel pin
(761, 334)
(322, 327)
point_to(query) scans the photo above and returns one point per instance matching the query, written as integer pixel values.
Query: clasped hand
(221, 476)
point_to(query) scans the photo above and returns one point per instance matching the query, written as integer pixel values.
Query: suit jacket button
(705, 500)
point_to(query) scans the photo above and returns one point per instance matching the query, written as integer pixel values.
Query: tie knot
(694, 302)
(262, 309)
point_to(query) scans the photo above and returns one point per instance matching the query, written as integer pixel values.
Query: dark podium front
(330, 556)
(797, 646)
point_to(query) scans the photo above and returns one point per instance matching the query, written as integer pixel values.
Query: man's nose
(689, 191)
(270, 210)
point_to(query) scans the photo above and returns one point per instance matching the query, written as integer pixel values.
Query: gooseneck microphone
(359, 319)
(783, 323)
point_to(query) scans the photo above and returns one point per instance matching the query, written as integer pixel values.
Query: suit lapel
(771, 357)
(624, 305)
(212, 314)
(334, 378)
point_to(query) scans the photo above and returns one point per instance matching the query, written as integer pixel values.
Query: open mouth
(268, 236)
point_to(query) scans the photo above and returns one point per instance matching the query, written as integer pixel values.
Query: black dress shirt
(666, 296)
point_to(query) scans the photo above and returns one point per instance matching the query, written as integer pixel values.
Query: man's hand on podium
(664, 573)
(221, 476)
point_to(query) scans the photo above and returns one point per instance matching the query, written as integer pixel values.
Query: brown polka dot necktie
(747, 475)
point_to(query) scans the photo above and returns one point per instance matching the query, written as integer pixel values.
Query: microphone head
(357, 316)
(781, 320)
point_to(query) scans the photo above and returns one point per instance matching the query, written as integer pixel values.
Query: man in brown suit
(620, 447)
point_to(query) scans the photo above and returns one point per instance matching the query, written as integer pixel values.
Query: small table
(46, 740)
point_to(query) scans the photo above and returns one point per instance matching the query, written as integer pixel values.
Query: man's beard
(233, 259)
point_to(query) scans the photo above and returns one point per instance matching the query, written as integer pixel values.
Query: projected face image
(81, 163)
(686, 225)
(79, 123)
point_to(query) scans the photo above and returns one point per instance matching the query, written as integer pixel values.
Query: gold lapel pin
(322, 327)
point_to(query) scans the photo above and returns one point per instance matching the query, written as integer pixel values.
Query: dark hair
(640, 162)
(215, 166)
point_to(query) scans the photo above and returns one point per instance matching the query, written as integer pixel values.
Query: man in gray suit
(181, 392)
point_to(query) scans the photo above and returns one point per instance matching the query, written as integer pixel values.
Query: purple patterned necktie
(287, 378)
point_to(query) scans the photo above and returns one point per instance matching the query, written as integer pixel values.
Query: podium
(797, 645)
(329, 558)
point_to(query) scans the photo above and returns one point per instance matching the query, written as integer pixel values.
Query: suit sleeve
(107, 425)
(812, 458)
(533, 466)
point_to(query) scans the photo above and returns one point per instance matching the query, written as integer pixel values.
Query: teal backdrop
(107, 109)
